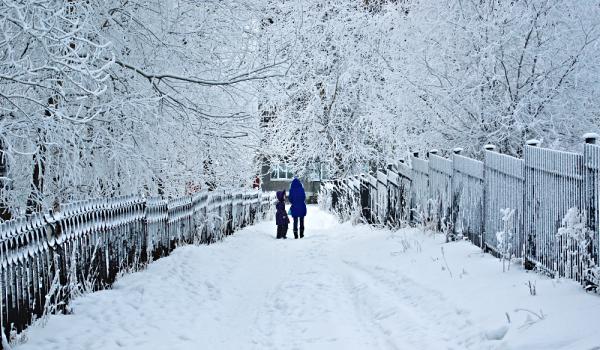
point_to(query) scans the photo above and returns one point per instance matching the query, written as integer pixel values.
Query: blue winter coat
(297, 198)
(281, 217)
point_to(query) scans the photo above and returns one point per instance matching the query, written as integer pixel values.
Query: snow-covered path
(342, 287)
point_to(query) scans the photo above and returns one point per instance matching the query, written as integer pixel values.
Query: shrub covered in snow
(505, 237)
(573, 243)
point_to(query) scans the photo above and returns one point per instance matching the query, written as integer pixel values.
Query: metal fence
(467, 198)
(46, 258)
(398, 196)
(553, 185)
(504, 188)
(592, 193)
(543, 208)
(440, 190)
(420, 186)
(382, 197)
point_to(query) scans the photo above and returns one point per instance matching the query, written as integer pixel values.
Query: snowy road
(342, 287)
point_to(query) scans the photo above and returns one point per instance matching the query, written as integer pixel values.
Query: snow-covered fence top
(467, 166)
(393, 177)
(47, 258)
(420, 165)
(404, 170)
(543, 208)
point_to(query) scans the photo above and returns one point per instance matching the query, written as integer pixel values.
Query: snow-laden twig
(446, 262)
(505, 238)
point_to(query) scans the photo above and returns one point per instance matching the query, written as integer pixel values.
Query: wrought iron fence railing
(47, 258)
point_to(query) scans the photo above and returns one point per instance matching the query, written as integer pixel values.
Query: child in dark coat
(281, 218)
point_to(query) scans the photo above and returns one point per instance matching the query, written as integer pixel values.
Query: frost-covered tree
(503, 71)
(333, 104)
(100, 98)
(370, 81)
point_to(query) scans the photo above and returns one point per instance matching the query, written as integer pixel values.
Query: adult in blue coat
(297, 198)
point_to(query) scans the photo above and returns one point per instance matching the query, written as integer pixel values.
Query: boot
(295, 234)
(301, 233)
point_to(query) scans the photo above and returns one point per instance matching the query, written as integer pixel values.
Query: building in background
(277, 177)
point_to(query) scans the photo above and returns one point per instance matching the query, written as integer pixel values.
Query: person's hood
(281, 196)
(296, 183)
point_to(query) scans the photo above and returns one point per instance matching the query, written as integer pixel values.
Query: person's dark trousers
(282, 231)
(301, 227)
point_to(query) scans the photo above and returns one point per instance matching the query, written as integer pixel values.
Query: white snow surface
(341, 287)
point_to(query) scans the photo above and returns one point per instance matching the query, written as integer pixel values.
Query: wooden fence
(542, 208)
(46, 258)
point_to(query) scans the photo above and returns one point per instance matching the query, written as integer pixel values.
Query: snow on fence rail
(46, 258)
(552, 197)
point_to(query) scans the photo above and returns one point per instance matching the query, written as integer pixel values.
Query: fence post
(591, 138)
(438, 225)
(591, 169)
(413, 197)
(529, 209)
(489, 148)
(453, 202)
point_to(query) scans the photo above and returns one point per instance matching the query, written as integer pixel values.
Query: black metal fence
(47, 258)
(543, 208)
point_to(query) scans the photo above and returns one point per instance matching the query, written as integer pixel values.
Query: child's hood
(281, 196)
